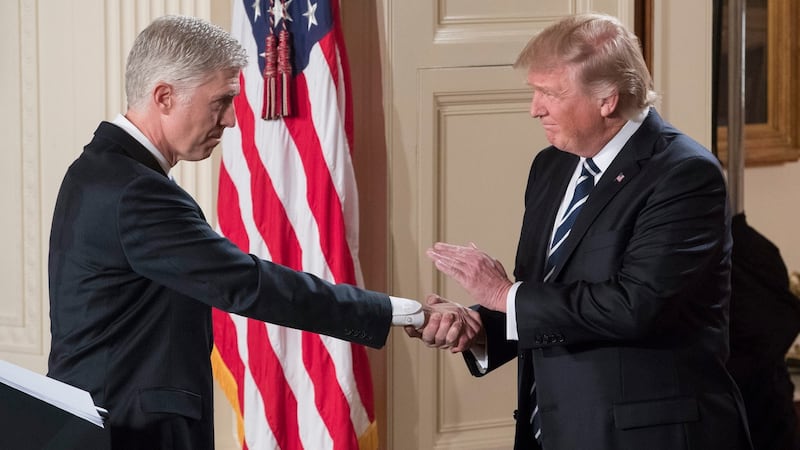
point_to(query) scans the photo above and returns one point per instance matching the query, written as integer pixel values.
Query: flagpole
(736, 96)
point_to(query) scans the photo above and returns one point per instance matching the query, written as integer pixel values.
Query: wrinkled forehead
(222, 79)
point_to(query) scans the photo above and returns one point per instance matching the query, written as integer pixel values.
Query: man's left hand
(477, 272)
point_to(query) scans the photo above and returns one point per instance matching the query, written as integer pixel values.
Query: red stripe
(228, 212)
(275, 228)
(324, 202)
(272, 222)
(322, 196)
(268, 212)
(225, 339)
(363, 379)
(326, 208)
(224, 331)
(280, 404)
(328, 395)
(361, 368)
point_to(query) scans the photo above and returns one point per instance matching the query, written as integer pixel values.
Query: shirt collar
(606, 156)
(128, 126)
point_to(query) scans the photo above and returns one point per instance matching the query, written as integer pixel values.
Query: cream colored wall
(62, 74)
(772, 207)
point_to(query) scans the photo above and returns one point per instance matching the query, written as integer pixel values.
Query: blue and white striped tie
(563, 227)
(536, 424)
(582, 189)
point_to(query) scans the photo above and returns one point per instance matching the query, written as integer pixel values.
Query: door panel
(461, 143)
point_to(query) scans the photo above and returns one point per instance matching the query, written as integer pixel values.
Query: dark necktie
(563, 227)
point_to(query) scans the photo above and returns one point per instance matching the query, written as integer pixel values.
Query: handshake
(449, 325)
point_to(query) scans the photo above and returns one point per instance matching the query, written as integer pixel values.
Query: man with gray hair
(134, 268)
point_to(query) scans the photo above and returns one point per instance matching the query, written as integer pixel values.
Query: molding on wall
(43, 141)
(685, 94)
(21, 325)
(475, 24)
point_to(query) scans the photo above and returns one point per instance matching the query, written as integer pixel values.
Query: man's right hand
(448, 325)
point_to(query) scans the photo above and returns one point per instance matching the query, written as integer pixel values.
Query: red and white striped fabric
(287, 193)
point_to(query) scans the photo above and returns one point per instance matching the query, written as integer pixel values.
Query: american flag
(287, 193)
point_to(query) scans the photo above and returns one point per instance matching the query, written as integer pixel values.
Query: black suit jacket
(628, 341)
(134, 271)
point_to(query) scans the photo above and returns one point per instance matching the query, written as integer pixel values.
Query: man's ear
(608, 105)
(164, 97)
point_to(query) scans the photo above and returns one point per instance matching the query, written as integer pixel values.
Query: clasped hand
(448, 324)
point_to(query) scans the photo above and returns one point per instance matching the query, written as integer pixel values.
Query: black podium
(27, 423)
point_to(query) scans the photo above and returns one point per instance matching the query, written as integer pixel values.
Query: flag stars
(256, 9)
(280, 11)
(311, 14)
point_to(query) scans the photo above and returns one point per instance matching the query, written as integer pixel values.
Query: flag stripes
(287, 193)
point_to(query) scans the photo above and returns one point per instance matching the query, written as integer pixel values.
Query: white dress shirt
(603, 160)
(123, 122)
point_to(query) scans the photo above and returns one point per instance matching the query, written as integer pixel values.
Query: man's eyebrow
(225, 96)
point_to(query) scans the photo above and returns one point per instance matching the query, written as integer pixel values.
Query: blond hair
(604, 55)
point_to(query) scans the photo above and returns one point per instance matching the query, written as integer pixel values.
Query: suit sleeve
(166, 239)
(499, 349)
(653, 274)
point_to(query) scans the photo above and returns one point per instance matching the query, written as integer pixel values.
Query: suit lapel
(625, 167)
(543, 199)
(128, 145)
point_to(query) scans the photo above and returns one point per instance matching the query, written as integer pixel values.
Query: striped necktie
(563, 227)
(582, 190)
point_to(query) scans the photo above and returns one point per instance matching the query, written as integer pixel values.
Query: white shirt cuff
(481, 356)
(407, 312)
(511, 313)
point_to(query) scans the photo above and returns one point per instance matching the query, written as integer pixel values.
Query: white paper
(69, 398)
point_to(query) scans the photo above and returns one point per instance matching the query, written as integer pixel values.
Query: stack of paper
(69, 398)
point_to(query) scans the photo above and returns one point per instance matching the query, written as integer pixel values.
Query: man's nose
(229, 117)
(537, 107)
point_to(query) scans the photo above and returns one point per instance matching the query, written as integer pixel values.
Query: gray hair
(606, 55)
(179, 50)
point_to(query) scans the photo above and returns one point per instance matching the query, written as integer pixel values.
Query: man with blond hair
(619, 314)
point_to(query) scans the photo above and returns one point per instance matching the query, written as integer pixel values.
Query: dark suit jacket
(628, 342)
(134, 271)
